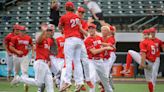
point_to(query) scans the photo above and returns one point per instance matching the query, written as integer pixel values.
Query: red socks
(150, 86)
(128, 61)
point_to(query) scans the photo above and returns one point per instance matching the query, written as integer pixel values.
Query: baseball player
(133, 54)
(20, 46)
(145, 59)
(95, 52)
(52, 43)
(84, 57)
(43, 75)
(69, 24)
(159, 45)
(109, 55)
(9, 53)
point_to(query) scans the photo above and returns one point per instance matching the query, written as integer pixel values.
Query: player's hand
(108, 48)
(44, 27)
(142, 66)
(19, 52)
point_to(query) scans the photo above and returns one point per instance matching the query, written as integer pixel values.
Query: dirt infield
(135, 80)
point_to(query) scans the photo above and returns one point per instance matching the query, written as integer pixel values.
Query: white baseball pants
(72, 50)
(99, 69)
(42, 75)
(150, 74)
(21, 63)
(85, 62)
(10, 63)
(109, 63)
(57, 64)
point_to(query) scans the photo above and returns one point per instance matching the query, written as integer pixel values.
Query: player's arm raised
(42, 36)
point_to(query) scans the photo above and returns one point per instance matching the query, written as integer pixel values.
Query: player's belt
(96, 58)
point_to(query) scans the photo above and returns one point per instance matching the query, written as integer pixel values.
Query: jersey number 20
(74, 22)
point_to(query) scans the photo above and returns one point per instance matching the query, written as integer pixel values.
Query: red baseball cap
(153, 30)
(69, 4)
(19, 27)
(146, 31)
(80, 9)
(92, 25)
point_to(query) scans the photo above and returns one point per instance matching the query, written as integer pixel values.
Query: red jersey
(43, 50)
(21, 43)
(111, 41)
(60, 44)
(93, 42)
(7, 40)
(50, 43)
(70, 21)
(149, 47)
(84, 26)
(159, 45)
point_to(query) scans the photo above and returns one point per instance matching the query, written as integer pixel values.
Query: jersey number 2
(74, 22)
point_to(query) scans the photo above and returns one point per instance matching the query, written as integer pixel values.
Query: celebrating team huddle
(80, 54)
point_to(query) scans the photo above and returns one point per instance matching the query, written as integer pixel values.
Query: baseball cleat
(83, 88)
(15, 80)
(90, 84)
(64, 87)
(125, 72)
(78, 87)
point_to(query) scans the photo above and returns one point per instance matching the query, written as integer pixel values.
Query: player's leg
(85, 63)
(131, 55)
(93, 75)
(111, 62)
(155, 70)
(148, 76)
(16, 63)
(39, 75)
(103, 77)
(54, 65)
(58, 75)
(78, 72)
(62, 78)
(24, 68)
(49, 80)
(69, 47)
(9, 61)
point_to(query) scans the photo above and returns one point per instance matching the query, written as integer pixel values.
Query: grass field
(119, 87)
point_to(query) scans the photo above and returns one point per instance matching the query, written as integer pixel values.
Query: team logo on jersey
(23, 42)
(95, 43)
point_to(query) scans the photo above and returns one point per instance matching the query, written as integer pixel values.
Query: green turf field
(5, 87)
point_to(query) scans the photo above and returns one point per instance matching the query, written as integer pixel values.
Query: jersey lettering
(74, 22)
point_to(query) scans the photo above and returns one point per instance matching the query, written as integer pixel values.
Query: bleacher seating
(122, 13)
(29, 13)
